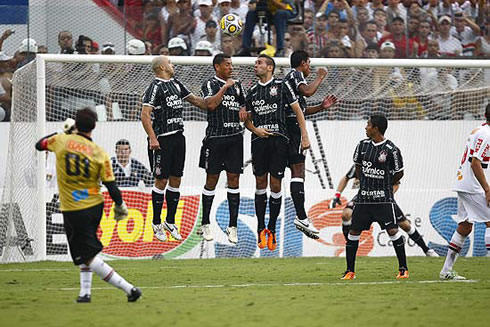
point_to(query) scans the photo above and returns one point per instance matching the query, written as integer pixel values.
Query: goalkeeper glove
(335, 201)
(120, 211)
(68, 126)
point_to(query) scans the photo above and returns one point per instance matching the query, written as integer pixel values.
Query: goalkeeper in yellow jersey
(80, 166)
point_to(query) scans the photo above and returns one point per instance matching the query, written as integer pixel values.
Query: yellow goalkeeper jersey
(80, 167)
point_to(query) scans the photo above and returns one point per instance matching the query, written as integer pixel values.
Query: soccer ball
(231, 24)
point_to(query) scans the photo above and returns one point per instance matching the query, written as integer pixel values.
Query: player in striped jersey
(266, 103)
(80, 167)
(222, 147)
(473, 194)
(401, 219)
(164, 98)
(379, 166)
(295, 80)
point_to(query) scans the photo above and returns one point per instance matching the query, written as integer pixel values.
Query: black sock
(298, 195)
(399, 246)
(173, 197)
(233, 205)
(350, 254)
(345, 231)
(418, 239)
(207, 198)
(157, 202)
(274, 209)
(260, 205)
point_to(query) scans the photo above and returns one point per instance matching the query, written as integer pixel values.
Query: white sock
(453, 250)
(487, 240)
(85, 280)
(104, 271)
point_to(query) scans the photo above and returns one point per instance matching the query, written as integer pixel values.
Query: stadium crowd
(323, 28)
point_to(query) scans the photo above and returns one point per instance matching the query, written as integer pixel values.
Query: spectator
(83, 45)
(148, 47)
(380, 19)
(342, 35)
(128, 171)
(94, 49)
(206, 10)
(42, 49)
(203, 48)
(182, 23)
(388, 50)
(5, 86)
(397, 36)
(211, 34)
(434, 7)
(373, 6)
(319, 35)
(368, 34)
(239, 8)
(152, 30)
(471, 10)
(65, 41)
(227, 45)
(466, 31)
(313, 50)
(334, 49)
(177, 47)
(395, 9)
(169, 9)
(413, 26)
(163, 50)
(308, 17)
(333, 18)
(482, 48)
(108, 48)
(448, 44)
(432, 49)
(288, 47)
(371, 51)
(223, 8)
(27, 52)
(135, 47)
(340, 6)
(362, 15)
(422, 38)
(299, 39)
(279, 11)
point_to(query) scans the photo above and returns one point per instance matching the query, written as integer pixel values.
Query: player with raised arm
(266, 102)
(80, 166)
(164, 98)
(473, 195)
(298, 140)
(222, 147)
(379, 166)
(401, 219)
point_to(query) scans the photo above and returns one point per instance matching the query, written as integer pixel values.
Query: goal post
(425, 101)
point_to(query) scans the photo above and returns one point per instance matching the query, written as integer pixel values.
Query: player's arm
(107, 177)
(68, 127)
(358, 171)
(340, 188)
(146, 120)
(327, 102)
(305, 141)
(308, 90)
(396, 187)
(396, 178)
(197, 101)
(212, 102)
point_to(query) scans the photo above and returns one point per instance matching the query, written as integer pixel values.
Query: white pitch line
(281, 284)
(75, 269)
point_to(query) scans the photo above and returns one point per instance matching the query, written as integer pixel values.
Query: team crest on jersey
(382, 156)
(237, 89)
(273, 91)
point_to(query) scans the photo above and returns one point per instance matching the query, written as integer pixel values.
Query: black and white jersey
(224, 120)
(378, 163)
(293, 80)
(351, 173)
(166, 96)
(267, 104)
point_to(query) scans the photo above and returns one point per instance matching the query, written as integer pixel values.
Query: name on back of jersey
(262, 108)
(230, 102)
(372, 172)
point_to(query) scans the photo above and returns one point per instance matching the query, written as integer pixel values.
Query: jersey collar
(164, 80)
(269, 81)
(376, 144)
(219, 79)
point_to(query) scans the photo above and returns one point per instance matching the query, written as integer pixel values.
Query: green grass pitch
(250, 292)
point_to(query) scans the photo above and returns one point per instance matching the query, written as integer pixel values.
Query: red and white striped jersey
(477, 146)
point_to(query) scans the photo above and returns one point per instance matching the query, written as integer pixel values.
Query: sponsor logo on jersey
(372, 172)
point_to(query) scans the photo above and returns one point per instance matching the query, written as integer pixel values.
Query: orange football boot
(402, 274)
(349, 275)
(262, 241)
(271, 240)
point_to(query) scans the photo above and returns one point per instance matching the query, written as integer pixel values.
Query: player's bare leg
(109, 275)
(455, 245)
(173, 195)
(275, 201)
(350, 254)
(346, 221)
(414, 234)
(297, 188)
(260, 207)
(157, 197)
(207, 198)
(399, 246)
(233, 196)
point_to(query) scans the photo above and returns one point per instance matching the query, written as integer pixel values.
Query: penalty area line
(347, 283)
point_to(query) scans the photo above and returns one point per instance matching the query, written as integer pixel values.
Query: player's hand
(120, 212)
(329, 101)
(243, 114)
(322, 72)
(305, 142)
(229, 83)
(154, 144)
(68, 126)
(487, 197)
(262, 133)
(335, 201)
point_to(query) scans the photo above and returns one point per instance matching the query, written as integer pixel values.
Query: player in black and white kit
(379, 166)
(222, 147)
(298, 143)
(266, 102)
(401, 219)
(164, 99)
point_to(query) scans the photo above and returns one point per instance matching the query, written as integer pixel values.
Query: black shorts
(222, 153)
(365, 214)
(350, 204)
(270, 155)
(295, 153)
(81, 232)
(170, 158)
(400, 216)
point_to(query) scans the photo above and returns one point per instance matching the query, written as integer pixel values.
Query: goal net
(432, 105)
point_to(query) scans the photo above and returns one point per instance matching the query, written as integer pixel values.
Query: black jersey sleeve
(397, 162)
(208, 89)
(248, 99)
(184, 91)
(241, 96)
(288, 93)
(298, 79)
(351, 173)
(150, 95)
(357, 154)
